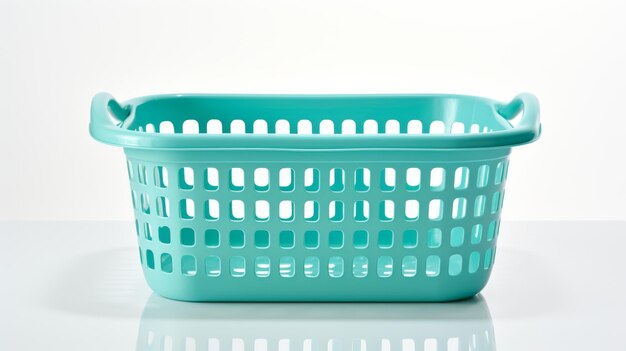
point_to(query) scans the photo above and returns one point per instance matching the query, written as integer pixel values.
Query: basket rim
(110, 120)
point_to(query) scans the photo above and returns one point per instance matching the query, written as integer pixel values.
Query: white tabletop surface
(79, 286)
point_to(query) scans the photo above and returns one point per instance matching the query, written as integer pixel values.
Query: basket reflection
(172, 325)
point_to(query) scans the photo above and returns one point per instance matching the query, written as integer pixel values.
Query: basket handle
(107, 115)
(529, 126)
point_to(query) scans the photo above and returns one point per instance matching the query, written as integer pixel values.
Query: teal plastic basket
(316, 197)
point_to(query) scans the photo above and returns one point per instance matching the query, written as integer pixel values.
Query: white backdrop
(55, 55)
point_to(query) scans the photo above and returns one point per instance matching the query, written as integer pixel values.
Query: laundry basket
(316, 197)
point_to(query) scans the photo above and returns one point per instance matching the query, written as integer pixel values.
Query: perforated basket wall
(355, 223)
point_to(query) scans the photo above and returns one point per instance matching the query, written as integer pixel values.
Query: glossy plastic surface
(316, 198)
(120, 124)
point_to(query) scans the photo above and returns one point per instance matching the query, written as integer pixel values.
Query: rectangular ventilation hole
(213, 266)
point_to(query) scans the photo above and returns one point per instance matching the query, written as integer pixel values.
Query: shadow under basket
(458, 326)
(316, 197)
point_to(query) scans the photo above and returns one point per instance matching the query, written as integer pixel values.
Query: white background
(55, 55)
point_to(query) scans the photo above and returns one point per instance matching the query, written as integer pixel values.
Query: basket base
(302, 289)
